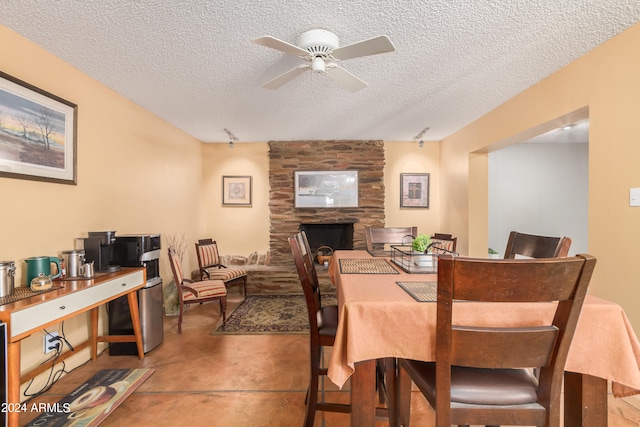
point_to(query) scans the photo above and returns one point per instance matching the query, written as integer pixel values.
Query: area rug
(89, 404)
(270, 314)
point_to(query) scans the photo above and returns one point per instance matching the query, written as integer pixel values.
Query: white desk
(33, 314)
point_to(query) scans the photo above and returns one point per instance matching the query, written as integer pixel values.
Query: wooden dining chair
(323, 324)
(211, 268)
(378, 239)
(533, 246)
(191, 292)
(482, 372)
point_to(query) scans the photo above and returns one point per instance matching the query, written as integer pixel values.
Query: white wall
(539, 189)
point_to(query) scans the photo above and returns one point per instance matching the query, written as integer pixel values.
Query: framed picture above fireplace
(414, 190)
(326, 189)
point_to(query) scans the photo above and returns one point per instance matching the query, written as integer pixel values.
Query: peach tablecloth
(379, 319)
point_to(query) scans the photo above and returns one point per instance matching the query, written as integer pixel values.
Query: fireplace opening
(338, 236)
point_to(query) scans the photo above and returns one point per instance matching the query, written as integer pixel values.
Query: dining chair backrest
(543, 344)
(533, 246)
(308, 276)
(378, 239)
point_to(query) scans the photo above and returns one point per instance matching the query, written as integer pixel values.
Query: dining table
(387, 312)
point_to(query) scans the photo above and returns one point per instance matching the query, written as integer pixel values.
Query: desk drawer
(35, 316)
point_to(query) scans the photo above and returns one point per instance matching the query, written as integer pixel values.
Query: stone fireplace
(285, 157)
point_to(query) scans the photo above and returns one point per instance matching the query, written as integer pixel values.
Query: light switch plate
(634, 197)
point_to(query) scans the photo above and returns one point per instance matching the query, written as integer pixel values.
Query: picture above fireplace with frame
(326, 189)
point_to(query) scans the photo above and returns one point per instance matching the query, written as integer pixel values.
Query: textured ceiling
(192, 62)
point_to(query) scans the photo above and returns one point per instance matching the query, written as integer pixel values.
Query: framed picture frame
(236, 190)
(326, 189)
(38, 133)
(414, 190)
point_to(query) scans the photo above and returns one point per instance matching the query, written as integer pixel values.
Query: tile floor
(235, 380)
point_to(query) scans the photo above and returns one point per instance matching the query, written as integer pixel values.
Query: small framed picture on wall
(236, 190)
(414, 190)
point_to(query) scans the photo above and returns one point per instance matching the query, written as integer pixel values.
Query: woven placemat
(421, 291)
(366, 266)
(22, 292)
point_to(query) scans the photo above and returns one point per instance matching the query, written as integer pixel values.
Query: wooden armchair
(532, 246)
(212, 269)
(481, 374)
(378, 239)
(190, 292)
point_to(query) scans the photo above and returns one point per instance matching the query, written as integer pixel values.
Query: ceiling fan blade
(285, 77)
(345, 79)
(374, 46)
(280, 45)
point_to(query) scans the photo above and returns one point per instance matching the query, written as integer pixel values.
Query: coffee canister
(7, 272)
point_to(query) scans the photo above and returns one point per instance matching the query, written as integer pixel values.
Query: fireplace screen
(326, 189)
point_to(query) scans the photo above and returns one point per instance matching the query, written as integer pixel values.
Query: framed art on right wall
(414, 190)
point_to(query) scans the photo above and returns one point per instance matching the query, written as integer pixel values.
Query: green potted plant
(493, 253)
(421, 242)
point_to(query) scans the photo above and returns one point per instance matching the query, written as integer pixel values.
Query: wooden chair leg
(312, 393)
(223, 309)
(403, 398)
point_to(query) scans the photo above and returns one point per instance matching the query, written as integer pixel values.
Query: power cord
(54, 376)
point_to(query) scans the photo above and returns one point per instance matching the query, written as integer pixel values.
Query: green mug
(41, 265)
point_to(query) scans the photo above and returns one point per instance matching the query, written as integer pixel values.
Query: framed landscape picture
(37, 133)
(236, 190)
(326, 189)
(414, 190)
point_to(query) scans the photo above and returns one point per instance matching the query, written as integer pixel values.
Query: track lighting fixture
(420, 135)
(232, 137)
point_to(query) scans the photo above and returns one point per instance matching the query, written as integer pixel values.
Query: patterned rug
(270, 314)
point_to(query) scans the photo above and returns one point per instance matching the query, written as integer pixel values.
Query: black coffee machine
(98, 247)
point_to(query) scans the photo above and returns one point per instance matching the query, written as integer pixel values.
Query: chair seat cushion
(328, 320)
(226, 274)
(478, 386)
(205, 289)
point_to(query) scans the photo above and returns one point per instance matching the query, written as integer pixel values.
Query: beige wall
(408, 157)
(603, 84)
(242, 230)
(136, 174)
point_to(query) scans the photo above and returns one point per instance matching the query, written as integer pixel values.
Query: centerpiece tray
(412, 261)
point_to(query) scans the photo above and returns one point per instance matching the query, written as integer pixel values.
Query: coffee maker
(98, 247)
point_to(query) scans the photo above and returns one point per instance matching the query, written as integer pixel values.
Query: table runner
(22, 292)
(366, 266)
(421, 291)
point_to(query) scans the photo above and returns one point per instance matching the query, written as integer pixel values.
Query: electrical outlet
(50, 342)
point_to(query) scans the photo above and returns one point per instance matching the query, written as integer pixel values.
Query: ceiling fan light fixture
(318, 65)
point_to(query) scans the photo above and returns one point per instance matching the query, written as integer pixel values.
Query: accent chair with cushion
(444, 241)
(191, 292)
(482, 371)
(212, 269)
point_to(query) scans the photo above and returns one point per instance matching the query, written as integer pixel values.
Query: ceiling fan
(321, 49)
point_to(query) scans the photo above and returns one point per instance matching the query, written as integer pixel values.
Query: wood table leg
(94, 333)
(13, 381)
(132, 298)
(363, 394)
(585, 400)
